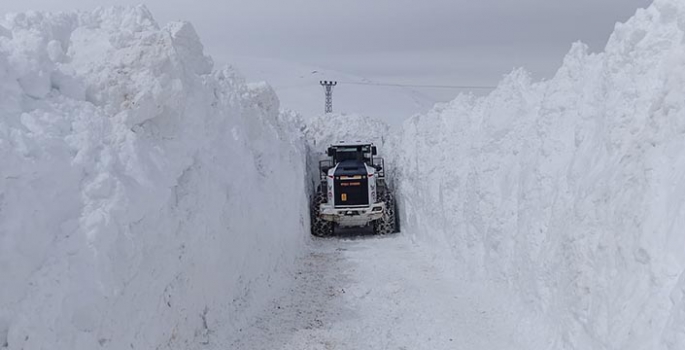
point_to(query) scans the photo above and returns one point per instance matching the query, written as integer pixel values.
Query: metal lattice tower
(328, 86)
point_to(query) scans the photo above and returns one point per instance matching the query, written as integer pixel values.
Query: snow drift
(135, 186)
(570, 192)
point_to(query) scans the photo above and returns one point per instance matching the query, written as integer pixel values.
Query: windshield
(360, 153)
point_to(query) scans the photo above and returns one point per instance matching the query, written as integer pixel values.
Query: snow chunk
(4, 32)
(188, 44)
(120, 20)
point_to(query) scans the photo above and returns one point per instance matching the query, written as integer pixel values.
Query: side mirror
(374, 151)
(331, 151)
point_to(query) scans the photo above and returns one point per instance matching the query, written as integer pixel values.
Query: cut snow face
(134, 183)
(570, 191)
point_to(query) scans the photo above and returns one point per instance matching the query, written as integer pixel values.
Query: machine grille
(351, 190)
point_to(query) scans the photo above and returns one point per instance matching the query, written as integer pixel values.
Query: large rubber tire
(387, 224)
(320, 227)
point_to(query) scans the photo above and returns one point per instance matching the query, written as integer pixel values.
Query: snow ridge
(570, 193)
(134, 184)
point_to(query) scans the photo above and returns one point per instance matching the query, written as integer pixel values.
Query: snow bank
(146, 201)
(571, 192)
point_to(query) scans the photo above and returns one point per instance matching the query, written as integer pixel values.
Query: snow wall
(146, 200)
(570, 193)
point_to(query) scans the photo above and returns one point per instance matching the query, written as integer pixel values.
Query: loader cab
(352, 191)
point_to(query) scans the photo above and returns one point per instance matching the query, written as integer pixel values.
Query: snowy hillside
(297, 86)
(569, 194)
(134, 184)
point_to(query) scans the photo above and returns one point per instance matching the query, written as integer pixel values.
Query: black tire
(387, 224)
(320, 227)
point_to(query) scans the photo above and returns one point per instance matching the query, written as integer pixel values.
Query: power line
(469, 87)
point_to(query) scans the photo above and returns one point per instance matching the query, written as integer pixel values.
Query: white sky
(470, 42)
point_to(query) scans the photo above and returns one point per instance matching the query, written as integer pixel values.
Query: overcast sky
(415, 41)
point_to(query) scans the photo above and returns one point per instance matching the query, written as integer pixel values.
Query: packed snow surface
(385, 293)
(134, 186)
(571, 191)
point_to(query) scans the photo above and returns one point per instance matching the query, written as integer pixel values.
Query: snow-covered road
(383, 293)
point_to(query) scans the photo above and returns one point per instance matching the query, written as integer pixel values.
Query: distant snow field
(149, 200)
(298, 89)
